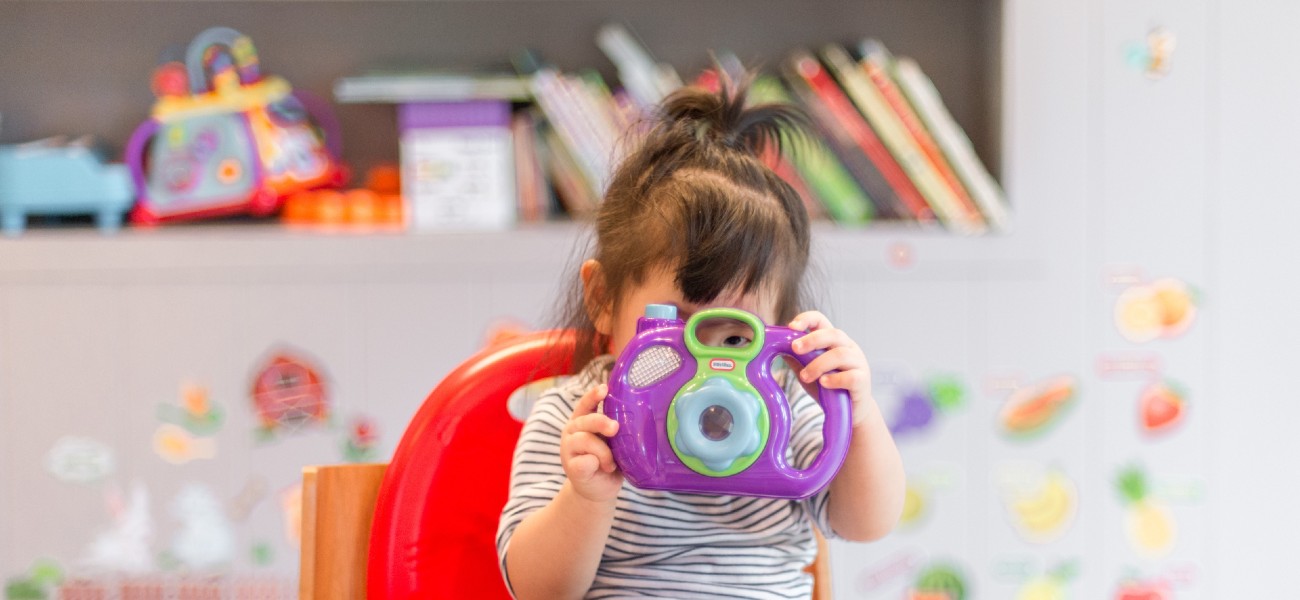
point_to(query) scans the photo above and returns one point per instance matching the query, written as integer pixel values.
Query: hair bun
(723, 117)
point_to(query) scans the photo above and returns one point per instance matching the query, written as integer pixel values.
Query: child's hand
(842, 355)
(586, 458)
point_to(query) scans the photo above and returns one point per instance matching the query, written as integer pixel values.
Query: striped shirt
(668, 545)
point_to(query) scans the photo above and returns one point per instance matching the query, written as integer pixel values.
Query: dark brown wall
(84, 67)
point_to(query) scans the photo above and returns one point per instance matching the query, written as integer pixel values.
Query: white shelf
(262, 252)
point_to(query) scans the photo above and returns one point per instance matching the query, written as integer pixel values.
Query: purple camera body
(713, 420)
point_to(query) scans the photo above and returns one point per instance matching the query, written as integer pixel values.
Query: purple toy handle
(136, 146)
(320, 113)
(836, 430)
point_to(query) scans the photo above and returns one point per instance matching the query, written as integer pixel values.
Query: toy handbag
(225, 139)
(713, 420)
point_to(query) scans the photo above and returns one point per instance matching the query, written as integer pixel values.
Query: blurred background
(1088, 391)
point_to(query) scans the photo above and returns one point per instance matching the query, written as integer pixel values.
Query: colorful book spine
(864, 154)
(885, 122)
(827, 180)
(531, 180)
(570, 184)
(555, 95)
(878, 64)
(924, 98)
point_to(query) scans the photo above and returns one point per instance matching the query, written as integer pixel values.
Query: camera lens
(715, 422)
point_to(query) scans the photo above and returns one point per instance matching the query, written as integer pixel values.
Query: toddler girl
(691, 218)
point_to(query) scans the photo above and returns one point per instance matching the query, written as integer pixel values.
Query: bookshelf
(263, 253)
(55, 51)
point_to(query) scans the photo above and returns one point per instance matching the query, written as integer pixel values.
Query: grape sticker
(919, 405)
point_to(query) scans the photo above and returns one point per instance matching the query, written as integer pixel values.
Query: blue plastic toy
(51, 178)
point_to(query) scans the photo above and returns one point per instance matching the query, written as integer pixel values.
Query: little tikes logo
(722, 364)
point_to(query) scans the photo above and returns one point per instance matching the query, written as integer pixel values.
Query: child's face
(660, 287)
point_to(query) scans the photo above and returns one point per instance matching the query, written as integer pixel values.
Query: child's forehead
(659, 286)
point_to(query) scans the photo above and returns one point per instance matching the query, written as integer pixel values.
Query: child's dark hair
(694, 196)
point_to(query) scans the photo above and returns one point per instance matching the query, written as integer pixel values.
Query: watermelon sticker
(939, 582)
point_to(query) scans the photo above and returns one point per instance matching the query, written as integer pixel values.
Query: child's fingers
(841, 359)
(853, 379)
(593, 423)
(589, 401)
(810, 321)
(586, 444)
(821, 339)
(583, 467)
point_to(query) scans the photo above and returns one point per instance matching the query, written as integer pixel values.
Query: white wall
(1113, 176)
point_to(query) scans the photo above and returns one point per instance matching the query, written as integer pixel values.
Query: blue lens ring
(744, 436)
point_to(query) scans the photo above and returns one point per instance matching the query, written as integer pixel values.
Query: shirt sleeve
(805, 444)
(536, 475)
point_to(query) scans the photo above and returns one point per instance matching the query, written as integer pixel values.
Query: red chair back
(434, 529)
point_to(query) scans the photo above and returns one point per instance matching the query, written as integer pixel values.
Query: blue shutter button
(660, 311)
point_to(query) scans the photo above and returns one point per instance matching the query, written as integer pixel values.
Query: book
(571, 187)
(457, 165)
(765, 90)
(646, 80)
(853, 140)
(530, 178)
(877, 62)
(825, 179)
(882, 119)
(924, 98)
(400, 87)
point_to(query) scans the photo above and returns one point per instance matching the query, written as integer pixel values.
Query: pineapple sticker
(1150, 527)
(1050, 585)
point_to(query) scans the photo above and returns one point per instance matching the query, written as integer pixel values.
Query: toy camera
(225, 139)
(713, 420)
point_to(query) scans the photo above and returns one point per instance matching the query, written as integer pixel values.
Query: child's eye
(735, 341)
